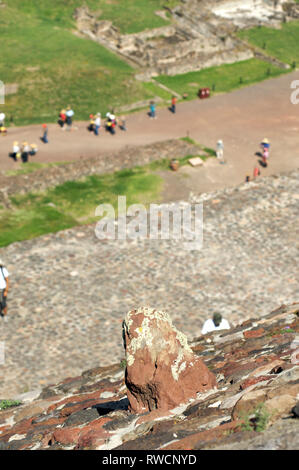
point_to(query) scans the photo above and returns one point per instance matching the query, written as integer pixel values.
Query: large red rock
(162, 371)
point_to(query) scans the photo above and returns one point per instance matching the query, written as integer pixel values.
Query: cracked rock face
(162, 370)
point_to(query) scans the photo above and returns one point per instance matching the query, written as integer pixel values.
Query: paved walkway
(70, 291)
(241, 119)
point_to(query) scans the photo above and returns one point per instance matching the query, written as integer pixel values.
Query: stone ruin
(201, 34)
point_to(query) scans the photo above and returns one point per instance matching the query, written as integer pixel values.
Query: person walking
(153, 110)
(2, 119)
(215, 324)
(69, 118)
(220, 151)
(25, 152)
(97, 123)
(4, 286)
(33, 150)
(15, 154)
(62, 118)
(122, 123)
(44, 138)
(173, 104)
(256, 172)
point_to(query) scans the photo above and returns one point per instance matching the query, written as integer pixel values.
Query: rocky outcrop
(162, 371)
(255, 404)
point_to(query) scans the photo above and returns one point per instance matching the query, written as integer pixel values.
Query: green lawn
(53, 67)
(73, 203)
(221, 79)
(280, 43)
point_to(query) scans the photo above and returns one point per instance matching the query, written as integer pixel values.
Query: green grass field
(73, 203)
(53, 67)
(280, 43)
(221, 79)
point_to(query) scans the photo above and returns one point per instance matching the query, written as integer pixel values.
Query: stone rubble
(91, 411)
(162, 371)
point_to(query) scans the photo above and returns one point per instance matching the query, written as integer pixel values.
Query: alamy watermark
(161, 222)
(2, 353)
(2, 93)
(295, 94)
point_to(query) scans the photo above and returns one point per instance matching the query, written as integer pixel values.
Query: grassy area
(53, 67)
(4, 404)
(280, 43)
(74, 203)
(221, 79)
(132, 16)
(31, 167)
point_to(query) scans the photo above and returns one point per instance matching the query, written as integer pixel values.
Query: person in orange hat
(44, 138)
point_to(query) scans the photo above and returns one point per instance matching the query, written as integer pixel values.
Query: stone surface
(162, 371)
(96, 415)
(243, 237)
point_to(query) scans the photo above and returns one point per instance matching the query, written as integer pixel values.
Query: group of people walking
(110, 123)
(65, 118)
(23, 151)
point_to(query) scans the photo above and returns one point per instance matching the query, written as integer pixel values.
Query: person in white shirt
(97, 123)
(4, 284)
(69, 118)
(2, 119)
(215, 324)
(220, 151)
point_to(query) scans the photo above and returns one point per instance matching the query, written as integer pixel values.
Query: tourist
(256, 172)
(265, 156)
(265, 144)
(25, 152)
(2, 119)
(152, 112)
(220, 151)
(215, 324)
(62, 118)
(4, 285)
(97, 124)
(3, 130)
(15, 154)
(122, 123)
(90, 126)
(44, 138)
(173, 104)
(33, 150)
(69, 118)
(110, 123)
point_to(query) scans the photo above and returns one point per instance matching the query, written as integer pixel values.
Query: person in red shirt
(173, 104)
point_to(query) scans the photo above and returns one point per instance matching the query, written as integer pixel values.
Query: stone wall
(200, 35)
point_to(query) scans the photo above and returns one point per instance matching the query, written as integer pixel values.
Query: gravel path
(241, 119)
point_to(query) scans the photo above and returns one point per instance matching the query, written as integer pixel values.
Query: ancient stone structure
(200, 35)
(257, 370)
(162, 371)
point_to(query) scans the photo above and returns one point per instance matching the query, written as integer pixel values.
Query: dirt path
(241, 119)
